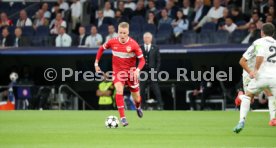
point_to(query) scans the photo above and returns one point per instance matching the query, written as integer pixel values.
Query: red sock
(138, 103)
(120, 105)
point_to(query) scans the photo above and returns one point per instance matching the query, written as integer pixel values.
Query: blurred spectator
(255, 18)
(105, 93)
(187, 10)
(4, 20)
(55, 11)
(151, 18)
(171, 9)
(213, 15)
(236, 15)
(229, 25)
(63, 39)
(57, 23)
(200, 11)
(45, 9)
(253, 34)
(20, 41)
(82, 37)
(107, 11)
(40, 20)
(269, 19)
(111, 33)
(165, 19)
(126, 12)
(100, 18)
(179, 25)
(140, 9)
(6, 39)
(130, 4)
(271, 11)
(151, 7)
(63, 5)
(76, 13)
(119, 17)
(94, 39)
(23, 19)
(221, 21)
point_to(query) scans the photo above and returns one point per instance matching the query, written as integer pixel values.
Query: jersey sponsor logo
(128, 48)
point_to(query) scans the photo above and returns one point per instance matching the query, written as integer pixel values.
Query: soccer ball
(111, 122)
(13, 76)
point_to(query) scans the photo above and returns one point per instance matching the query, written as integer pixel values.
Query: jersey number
(272, 49)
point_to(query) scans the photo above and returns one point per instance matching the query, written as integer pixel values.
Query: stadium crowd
(62, 23)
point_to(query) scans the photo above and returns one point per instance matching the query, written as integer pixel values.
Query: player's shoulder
(258, 41)
(132, 41)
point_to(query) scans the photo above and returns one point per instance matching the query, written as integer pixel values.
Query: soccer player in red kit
(125, 51)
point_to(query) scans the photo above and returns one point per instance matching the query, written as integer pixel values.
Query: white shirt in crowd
(216, 13)
(92, 41)
(63, 40)
(64, 6)
(76, 9)
(108, 13)
(230, 28)
(130, 5)
(23, 23)
(110, 36)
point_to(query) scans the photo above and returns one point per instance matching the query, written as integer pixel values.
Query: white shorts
(246, 80)
(256, 86)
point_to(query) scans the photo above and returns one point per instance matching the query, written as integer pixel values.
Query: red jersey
(124, 54)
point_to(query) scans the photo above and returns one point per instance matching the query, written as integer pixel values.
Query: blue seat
(28, 31)
(42, 31)
(221, 37)
(209, 26)
(189, 37)
(206, 37)
(237, 36)
(164, 34)
(138, 20)
(150, 28)
(103, 30)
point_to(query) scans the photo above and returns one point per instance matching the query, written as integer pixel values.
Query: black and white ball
(13, 76)
(111, 122)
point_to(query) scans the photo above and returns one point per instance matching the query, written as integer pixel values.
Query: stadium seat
(206, 37)
(221, 37)
(237, 36)
(42, 31)
(189, 37)
(103, 30)
(28, 31)
(150, 28)
(164, 34)
(209, 26)
(137, 20)
(240, 23)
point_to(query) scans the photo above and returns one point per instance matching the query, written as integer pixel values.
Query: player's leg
(119, 86)
(271, 93)
(137, 99)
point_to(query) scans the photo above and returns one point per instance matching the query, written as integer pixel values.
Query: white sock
(271, 106)
(245, 106)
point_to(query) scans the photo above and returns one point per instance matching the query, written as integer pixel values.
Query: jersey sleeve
(259, 48)
(107, 44)
(249, 53)
(137, 50)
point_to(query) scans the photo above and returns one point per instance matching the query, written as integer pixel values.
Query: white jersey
(266, 47)
(250, 56)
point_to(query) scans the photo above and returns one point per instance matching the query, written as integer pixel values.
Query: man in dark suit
(152, 57)
(6, 39)
(82, 37)
(19, 41)
(200, 11)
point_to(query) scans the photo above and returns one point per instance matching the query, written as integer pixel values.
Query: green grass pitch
(169, 129)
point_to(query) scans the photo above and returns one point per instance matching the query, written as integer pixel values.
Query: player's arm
(99, 55)
(138, 52)
(244, 65)
(259, 57)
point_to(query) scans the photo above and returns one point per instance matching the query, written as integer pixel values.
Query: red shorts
(126, 78)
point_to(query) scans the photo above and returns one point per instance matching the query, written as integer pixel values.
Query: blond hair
(123, 25)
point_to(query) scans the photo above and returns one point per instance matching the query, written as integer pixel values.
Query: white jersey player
(263, 74)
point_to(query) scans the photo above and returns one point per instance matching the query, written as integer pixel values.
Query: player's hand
(97, 69)
(136, 73)
(252, 74)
